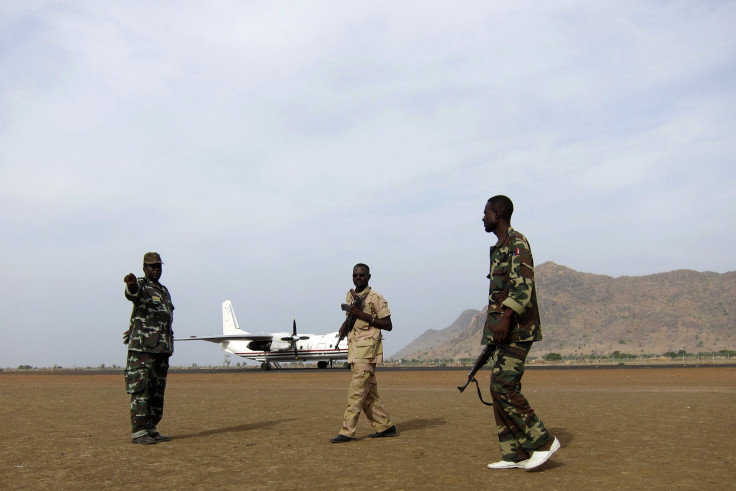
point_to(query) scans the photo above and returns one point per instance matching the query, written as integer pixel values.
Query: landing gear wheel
(321, 364)
(265, 366)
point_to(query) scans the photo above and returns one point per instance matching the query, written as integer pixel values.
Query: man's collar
(151, 282)
(504, 238)
(364, 292)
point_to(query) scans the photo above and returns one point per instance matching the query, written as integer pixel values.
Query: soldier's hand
(501, 330)
(126, 337)
(130, 279)
(357, 313)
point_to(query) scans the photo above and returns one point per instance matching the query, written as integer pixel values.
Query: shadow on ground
(420, 424)
(234, 429)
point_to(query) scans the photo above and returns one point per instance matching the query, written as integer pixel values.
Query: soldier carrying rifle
(512, 326)
(368, 315)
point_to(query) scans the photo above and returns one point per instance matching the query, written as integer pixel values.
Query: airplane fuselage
(275, 347)
(317, 347)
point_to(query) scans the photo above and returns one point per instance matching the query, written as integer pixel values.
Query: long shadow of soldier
(419, 424)
(233, 429)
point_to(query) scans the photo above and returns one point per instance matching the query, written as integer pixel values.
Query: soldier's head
(152, 266)
(361, 276)
(498, 210)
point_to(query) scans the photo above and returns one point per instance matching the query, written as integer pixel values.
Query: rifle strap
(477, 387)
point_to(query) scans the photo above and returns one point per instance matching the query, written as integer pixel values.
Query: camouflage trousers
(145, 381)
(363, 396)
(520, 431)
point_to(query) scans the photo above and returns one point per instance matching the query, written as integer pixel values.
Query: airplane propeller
(294, 338)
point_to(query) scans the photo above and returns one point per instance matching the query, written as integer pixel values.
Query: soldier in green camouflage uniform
(150, 341)
(512, 325)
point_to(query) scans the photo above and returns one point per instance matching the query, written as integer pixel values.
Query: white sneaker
(540, 457)
(507, 464)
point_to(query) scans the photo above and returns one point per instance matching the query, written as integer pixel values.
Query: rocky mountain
(590, 314)
(432, 337)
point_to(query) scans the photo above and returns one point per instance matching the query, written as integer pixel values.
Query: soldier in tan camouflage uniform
(365, 350)
(512, 325)
(150, 341)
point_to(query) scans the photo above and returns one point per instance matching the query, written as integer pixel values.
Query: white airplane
(270, 349)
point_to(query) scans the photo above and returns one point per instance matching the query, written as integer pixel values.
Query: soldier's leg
(137, 379)
(158, 387)
(357, 394)
(373, 406)
(520, 431)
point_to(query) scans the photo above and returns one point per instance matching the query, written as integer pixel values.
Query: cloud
(264, 149)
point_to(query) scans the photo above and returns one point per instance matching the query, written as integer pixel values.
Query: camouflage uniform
(149, 348)
(365, 350)
(512, 286)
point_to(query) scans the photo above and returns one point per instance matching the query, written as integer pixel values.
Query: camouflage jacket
(151, 319)
(365, 343)
(512, 286)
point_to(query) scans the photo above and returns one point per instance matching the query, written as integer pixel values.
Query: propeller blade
(295, 338)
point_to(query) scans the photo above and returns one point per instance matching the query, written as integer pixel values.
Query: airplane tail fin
(229, 321)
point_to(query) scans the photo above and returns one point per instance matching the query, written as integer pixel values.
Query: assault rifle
(485, 355)
(347, 326)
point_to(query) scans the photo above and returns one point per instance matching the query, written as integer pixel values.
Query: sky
(264, 148)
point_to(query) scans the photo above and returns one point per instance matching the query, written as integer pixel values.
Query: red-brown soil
(637, 428)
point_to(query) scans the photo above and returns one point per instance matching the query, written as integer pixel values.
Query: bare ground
(633, 428)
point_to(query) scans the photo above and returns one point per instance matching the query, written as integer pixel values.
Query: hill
(588, 314)
(432, 337)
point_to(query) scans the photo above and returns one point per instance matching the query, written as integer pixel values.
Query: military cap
(152, 258)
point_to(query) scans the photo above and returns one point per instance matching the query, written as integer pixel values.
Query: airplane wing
(231, 337)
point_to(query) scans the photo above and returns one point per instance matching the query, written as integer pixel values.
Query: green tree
(552, 357)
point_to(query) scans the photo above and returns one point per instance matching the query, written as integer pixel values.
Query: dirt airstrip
(639, 428)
